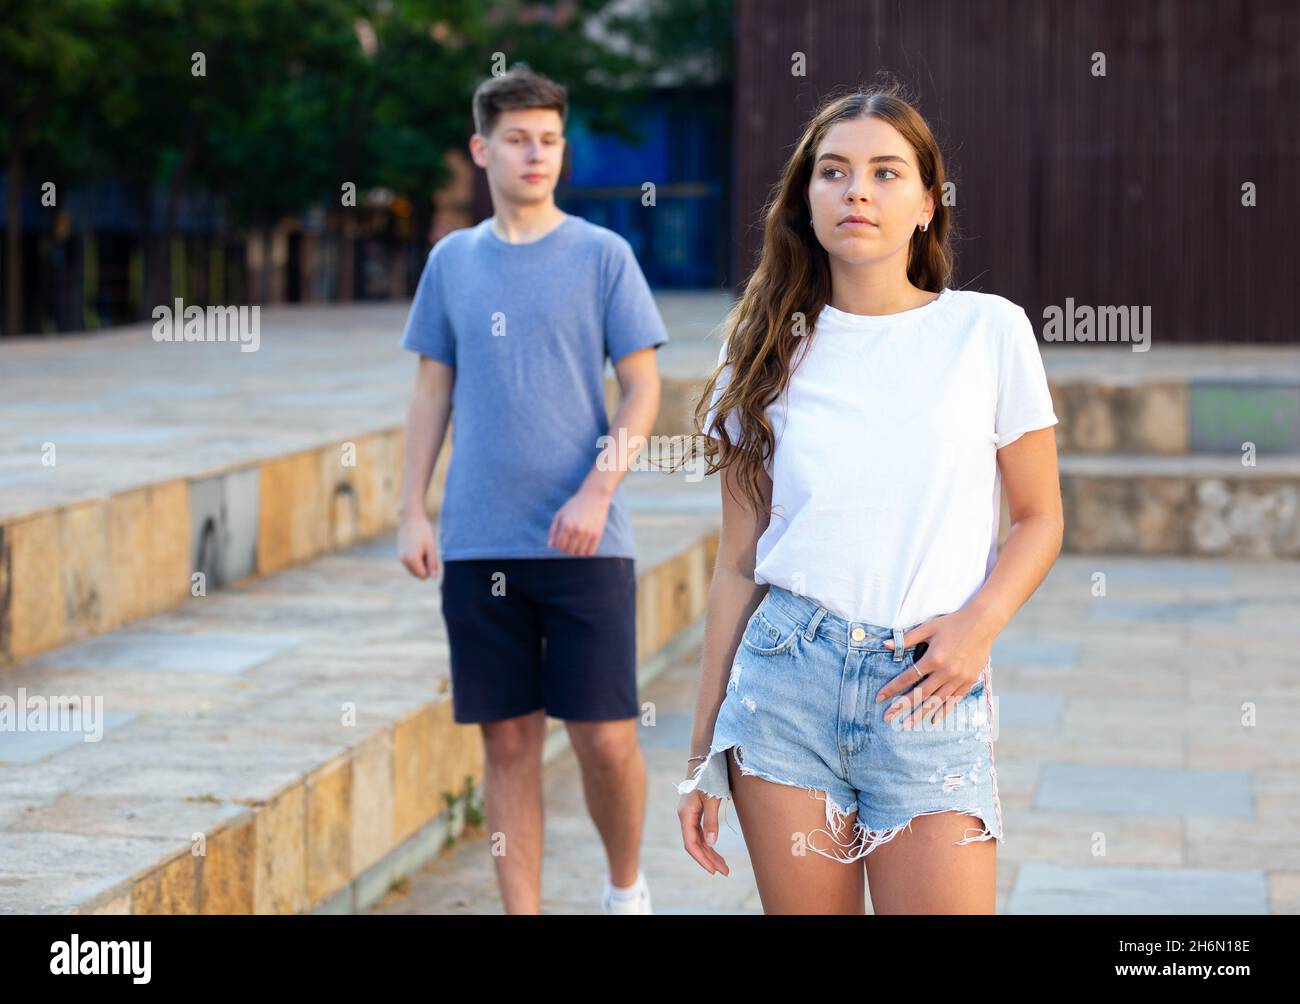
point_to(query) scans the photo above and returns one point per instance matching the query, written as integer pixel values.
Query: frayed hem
(711, 777)
(867, 840)
(712, 780)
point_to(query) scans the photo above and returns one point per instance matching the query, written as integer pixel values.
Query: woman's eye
(826, 172)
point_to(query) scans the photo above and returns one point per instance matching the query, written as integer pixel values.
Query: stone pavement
(463, 880)
(1148, 757)
(123, 410)
(299, 723)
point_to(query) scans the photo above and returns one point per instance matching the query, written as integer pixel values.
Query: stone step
(1193, 505)
(1205, 415)
(1116, 415)
(89, 565)
(282, 746)
(133, 475)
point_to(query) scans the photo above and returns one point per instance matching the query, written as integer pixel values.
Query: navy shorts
(552, 633)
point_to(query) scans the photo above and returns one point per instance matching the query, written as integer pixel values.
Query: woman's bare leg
(924, 870)
(774, 818)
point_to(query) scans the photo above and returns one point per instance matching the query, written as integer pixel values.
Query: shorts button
(858, 634)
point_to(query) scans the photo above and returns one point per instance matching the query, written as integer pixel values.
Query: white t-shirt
(885, 485)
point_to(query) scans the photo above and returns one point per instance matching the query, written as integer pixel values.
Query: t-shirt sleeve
(428, 326)
(632, 320)
(733, 420)
(1024, 401)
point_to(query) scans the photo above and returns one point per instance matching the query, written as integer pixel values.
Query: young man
(513, 320)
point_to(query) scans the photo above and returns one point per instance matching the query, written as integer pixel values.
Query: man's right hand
(417, 546)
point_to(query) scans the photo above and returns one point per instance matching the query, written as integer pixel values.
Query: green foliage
(469, 802)
(300, 96)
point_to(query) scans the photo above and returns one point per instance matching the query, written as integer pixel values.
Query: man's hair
(518, 87)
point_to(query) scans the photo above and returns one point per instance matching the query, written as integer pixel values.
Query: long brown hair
(792, 283)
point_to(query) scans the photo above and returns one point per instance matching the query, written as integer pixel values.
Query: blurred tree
(275, 104)
(45, 52)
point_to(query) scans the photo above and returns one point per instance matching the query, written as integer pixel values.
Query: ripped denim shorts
(801, 710)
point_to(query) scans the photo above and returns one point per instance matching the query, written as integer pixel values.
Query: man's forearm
(635, 416)
(426, 427)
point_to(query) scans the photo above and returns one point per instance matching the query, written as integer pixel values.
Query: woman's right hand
(698, 814)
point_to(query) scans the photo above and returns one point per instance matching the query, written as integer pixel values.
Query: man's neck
(518, 225)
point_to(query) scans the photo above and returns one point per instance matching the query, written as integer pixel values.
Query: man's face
(523, 156)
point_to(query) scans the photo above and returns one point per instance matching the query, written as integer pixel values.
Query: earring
(925, 225)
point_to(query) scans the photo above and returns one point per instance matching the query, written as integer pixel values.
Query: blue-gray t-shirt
(527, 328)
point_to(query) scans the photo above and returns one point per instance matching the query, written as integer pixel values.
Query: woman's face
(864, 167)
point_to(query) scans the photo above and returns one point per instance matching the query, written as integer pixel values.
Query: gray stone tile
(174, 819)
(380, 549)
(32, 893)
(49, 851)
(1226, 414)
(1113, 608)
(31, 747)
(1046, 888)
(1054, 653)
(189, 652)
(671, 731)
(1020, 707)
(1161, 573)
(1145, 791)
(223, 526)
(75, 437)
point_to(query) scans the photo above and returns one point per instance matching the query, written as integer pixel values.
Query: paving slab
(230, 701)
(1128, 781)
(1044, 888)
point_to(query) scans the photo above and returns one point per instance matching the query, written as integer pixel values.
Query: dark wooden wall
(1123, 189)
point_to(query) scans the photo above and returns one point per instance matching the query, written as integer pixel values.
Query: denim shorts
(801, 710)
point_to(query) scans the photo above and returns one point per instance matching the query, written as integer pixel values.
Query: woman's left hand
(958, 648)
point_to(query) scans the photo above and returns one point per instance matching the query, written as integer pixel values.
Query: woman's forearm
(1023, 562)
(733, 597)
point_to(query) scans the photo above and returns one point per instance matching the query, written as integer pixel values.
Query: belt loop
(812, 624)
(898, 644)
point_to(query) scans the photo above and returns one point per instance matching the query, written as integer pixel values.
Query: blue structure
(681, 241)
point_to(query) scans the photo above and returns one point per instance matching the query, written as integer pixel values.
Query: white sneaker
(638, 903)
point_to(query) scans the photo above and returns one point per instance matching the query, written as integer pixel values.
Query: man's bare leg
(513, 805)
(614, 785)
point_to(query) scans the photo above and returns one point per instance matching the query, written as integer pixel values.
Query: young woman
(865, 416)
